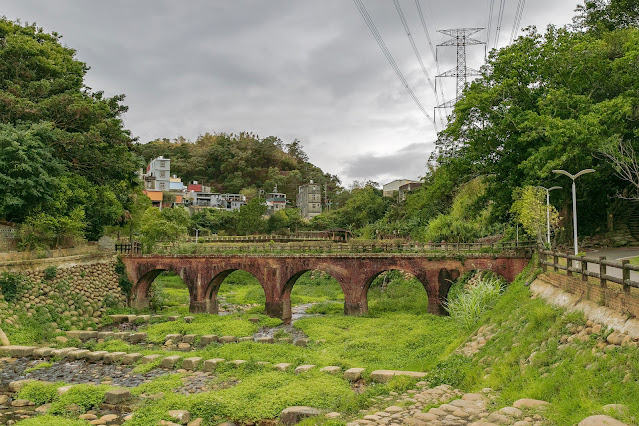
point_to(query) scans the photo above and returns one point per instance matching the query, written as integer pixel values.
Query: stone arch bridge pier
(277, 274)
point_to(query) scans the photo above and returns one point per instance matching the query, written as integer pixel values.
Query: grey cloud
(296, 69)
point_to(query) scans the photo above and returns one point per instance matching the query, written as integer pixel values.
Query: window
(162, 173)
(162, 186)
(162, 163)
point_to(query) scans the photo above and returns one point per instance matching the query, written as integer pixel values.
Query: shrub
(39, 392)
(85, 396)
(50, 273)
(10, 285)
(468, 305)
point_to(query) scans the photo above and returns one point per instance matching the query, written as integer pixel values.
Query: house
(160, 169)
(206, 199)
(406, 188)
(392, 187)
(155, 196)
(275, 202)
(175, 184)
(309, 200)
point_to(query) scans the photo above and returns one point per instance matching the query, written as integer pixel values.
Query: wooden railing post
(625, 273)
(544, 266)
(584, 269)
(602, 271)
(555, 261)
(568, 265)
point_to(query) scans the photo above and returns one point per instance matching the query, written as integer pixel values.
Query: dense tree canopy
(64, 147)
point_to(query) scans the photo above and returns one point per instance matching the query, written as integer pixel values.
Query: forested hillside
(240, 162)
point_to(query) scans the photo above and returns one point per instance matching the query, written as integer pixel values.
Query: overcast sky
(305, 69)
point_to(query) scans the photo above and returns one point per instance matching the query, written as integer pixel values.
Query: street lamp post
(574, 200)
(548, 209)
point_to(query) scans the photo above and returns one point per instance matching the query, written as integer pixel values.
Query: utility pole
(460, 38)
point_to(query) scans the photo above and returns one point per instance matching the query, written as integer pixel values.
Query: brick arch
(420, 275)
(140, 292)
(336, 273)
(210, 294)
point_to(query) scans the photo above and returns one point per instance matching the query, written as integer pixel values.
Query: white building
(309, 200)
(160, 169)
(393, 187)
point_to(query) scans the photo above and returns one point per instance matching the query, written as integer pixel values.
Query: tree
(28, 171)
(529, 209)
(250, 217)
(626, 165)
(168, 225)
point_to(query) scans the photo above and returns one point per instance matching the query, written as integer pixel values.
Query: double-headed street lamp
(574, 200)
(548, 208)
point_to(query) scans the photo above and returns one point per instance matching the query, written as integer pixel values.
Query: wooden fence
(579, 265)
(131, 248)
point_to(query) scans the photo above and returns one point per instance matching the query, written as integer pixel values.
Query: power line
(518, 15)
(389, 57)
(402, 18)
(430, 44)
(490, 21)
(500, 18)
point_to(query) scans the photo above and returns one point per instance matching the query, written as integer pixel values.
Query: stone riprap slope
(64, 296)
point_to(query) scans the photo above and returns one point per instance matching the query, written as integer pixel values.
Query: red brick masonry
(277, 274)
(613, 298)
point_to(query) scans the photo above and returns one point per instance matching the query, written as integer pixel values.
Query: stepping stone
(63, 389)
(131, 318)
(175, 338)
(354, 374)
(601, 420)
(208, 339)
(254, 320)
(265, 340)
(181, 416)
(117, 396)
(143, 318)
(62, 353)
(245, 339)
(18, 351)
(189, 319)
(263, 363)
(149, 358)
(294, 415)
(301, 343)
(121, 335)
(228, 339)
(81, 334)
(172, 318)
(331, 369)
(17, 385)
(237, 362)
(135, 338)
(113, 357)
(304, 368)
(170, 361)
(529, 403)
(285, 340)
(211, 364)
(189, 338)
(191, 363)
(119, 318)
(129, 359)
(96, 355)
(78, 354)
(42, 352)
(106, 335)
(282, 366)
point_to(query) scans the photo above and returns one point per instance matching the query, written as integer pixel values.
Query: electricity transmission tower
(460, 38)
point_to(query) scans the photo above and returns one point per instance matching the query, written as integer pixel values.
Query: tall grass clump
(467, 305)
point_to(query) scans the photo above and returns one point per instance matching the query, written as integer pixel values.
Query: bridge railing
(129, 248)
(358, 247)
(600, 268)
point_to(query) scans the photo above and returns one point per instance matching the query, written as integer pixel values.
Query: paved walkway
(615, 254)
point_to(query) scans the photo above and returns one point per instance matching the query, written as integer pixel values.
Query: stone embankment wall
(68, 292)
(604, 305)
(612, 296)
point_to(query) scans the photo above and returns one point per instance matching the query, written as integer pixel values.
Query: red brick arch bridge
(277, 274)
